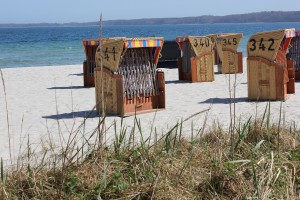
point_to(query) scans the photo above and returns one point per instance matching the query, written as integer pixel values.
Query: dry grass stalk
(7, 118)
(173, 167)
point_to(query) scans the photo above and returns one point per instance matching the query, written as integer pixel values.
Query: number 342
(261, 46)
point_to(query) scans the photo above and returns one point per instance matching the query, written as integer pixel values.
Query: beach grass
(259, 160)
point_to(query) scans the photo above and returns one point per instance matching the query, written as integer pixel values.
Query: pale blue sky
(62, 11)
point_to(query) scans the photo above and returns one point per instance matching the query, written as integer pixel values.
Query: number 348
(261, 45)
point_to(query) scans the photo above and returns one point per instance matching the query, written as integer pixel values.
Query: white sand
(37, 96)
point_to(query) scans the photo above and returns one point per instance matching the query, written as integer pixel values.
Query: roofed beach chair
(231, 61)
(267, 65)
(294, 54)
(126, 79)
(90, 47)
(196, 62)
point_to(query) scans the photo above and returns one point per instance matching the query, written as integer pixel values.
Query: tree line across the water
(257, 17)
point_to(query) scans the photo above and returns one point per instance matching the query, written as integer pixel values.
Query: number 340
(261, 45)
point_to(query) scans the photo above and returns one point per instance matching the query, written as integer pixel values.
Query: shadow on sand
(224, 100)
(80, 74)
(177, 82)
(80, 114)
(66, 88)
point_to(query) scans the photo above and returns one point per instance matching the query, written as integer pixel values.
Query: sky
(64, 11)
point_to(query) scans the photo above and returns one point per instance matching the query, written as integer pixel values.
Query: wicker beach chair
(230, 61)
(126, 79)
(90, 47)
(196, 62)
(267, 65)
(294, 54)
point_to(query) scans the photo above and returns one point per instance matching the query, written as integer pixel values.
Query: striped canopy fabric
(143, 42)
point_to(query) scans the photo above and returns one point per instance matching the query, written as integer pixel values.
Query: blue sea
(45, 46)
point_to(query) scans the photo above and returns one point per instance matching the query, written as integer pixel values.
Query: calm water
(23, 47)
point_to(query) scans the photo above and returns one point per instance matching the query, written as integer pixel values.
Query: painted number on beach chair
(201, 43)
(228, 41)
(107, 52)
(261, 44)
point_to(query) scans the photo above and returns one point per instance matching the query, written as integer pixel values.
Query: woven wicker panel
(139, 72)
(106, 82)
(229, 62)
(205, 68)
(265, 44)
(294, 52)
(201, 45)
(112, 50)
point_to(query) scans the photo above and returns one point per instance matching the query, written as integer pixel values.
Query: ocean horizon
(52, 46)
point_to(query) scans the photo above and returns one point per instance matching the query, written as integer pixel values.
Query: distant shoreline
(81, 25)
(256, 17)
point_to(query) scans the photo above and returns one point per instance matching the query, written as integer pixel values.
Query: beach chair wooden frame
(196, 62)
(213, 38)
(230, 61)
(90, 47)
(128, 82)
(268, 74)
(294, 54)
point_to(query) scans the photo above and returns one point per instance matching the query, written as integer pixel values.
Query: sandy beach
(48, 103)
